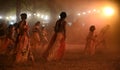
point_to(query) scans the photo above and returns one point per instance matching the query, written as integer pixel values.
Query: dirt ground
(73, 59)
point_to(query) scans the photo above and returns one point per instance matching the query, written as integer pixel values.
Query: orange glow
(108, 11)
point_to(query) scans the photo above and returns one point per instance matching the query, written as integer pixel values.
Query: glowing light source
(108, 11)
(94, 10)
(1, 17)
(34, 14)
(7, 18)
(12, 17)
(84, 13)
(11, 23)
(89, 11)
(38, 15)
(78, 14)
(42, 16)
(45, 17)
(59, 17)
(29, 15)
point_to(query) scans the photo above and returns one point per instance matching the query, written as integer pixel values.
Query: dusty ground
(73, 59)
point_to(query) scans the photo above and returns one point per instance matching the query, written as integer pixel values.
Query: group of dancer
(94, 41)
(26, 44)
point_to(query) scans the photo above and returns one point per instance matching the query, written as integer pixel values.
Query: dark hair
(37, 23)
(92, 28)
(10, 26)
(63, 15)
(24, 15)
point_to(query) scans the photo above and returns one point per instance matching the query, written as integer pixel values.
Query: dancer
(23, 48)
(102, 38)
(91, 41)
(36, 40)
(56, 46)
(44, 39)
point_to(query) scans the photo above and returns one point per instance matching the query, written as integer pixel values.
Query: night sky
(7, 6)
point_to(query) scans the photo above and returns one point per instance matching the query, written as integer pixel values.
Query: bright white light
(12, 17)
(11, 23)
(38, 15)
(34, 14)
(7, 18)
(1, 17)
(29, 15)
(108, 11)
(78, 14)
(42, 16)
(84, 13)
(45, 17)
(59, 17)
